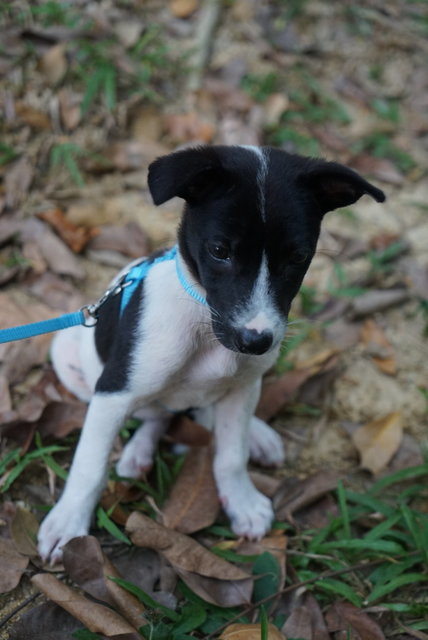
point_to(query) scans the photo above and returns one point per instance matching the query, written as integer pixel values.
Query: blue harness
(88, 314)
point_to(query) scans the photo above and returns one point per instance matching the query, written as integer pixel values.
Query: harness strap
(88, 314)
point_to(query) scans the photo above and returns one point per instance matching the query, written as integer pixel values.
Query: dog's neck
(187, 281)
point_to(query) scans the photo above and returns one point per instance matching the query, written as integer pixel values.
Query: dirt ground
(341, 80)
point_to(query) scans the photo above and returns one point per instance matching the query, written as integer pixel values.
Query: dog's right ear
(191, 174)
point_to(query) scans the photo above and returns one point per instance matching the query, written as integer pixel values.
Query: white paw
(134, 461)
(250, 512)
(60, 525)
(266, 446)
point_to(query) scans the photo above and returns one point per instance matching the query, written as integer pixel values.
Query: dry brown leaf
(186, 431)
(274, 107)
(378, 441)
(380, 168)
(35, 118)
(13, 565)
(17, 181)
(129, 239)
(305, 619)
(377, 300)
(87, 565)
(69, 108)
(250, 632)
(209, 576)
(45, 622)
(346, 618)
(183, 8)
(75, 237)
(193, 503)
(53, 64)
(23, 531)
(268, 485)
(293, 494)
(378, 347)
(56, 292)
(5, 399)
(281, 391)
(187, 127)
(96, 617)
(180, 550)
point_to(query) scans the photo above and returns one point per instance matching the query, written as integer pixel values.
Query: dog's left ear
(191, 174)
(334, 185)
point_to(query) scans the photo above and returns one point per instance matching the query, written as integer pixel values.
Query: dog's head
(250, 228)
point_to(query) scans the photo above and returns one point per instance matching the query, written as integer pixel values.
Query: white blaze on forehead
(262, 172)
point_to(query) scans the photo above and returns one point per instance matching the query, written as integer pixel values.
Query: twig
(209, 17)
(17, 609)
(303, 583)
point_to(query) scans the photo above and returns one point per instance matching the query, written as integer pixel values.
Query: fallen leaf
(183, 8)
(69, 108)
(189, 127)
(250, 632)
(268, 485)
(380, 168)
(96, 617)
(13, 564)
(129, 239)
(56, 292)
(53, 64)
(274, 107)
(378, 441)
(5, 399)
(193, 503)
(186, 431)
(306, 620)
(211, 577)
(294, 494)
(347, 619)
(59, 257)
(23, 531)
(17, 182)
(282, 390)
(45, 622)
(377, 300)
(75, 237)
(87, 565)
(35, 118)
(378, 347)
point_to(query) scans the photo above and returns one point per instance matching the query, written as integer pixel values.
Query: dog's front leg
(71, 516)
(250, 512)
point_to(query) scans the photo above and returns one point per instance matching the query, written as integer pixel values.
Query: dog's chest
(207, 377)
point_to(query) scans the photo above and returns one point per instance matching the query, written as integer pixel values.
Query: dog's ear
(334, 185)
(191, 174)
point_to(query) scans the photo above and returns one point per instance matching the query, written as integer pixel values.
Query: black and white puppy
(202, 328)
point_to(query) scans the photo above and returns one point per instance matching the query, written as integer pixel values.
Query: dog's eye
(298, 257)
(219, 252)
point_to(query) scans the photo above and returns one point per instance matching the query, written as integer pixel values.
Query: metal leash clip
(91, 310)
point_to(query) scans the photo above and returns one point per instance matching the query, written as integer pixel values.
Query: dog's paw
(134, 462)
(59, 526)
(266, 446)
(250, 513)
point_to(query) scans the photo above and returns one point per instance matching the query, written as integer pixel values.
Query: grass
(373, 553)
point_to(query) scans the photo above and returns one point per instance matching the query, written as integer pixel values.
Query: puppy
(198, 326)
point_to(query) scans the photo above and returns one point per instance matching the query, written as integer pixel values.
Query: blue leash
(88, 314)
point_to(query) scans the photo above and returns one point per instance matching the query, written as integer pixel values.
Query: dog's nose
(251, 341)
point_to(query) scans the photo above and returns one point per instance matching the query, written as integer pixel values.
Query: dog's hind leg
(137, 456)
(266, 446)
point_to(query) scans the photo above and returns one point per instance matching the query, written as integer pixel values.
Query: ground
(91, 93)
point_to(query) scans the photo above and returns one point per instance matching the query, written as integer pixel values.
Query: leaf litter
(368, 366)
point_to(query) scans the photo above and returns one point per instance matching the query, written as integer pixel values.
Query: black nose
(251, 341)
